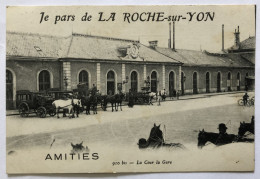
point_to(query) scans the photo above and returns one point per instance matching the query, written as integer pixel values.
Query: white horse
(66, 104)
(152, 95)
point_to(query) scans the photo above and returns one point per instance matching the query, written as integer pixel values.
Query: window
(154, 81)
(110, 83)
(83, 78)
(44, 80)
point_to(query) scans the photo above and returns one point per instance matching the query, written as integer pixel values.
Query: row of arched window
(208, 82)
(45, 81)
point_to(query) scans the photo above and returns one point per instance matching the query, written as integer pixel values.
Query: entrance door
(238, 81)
(134, 82)
(110, 83)
(229, 82)
(171, 83)
(154, 81)
(207, 83)
(219, 82)
(195, 83)
(9, 90)
(182, 83)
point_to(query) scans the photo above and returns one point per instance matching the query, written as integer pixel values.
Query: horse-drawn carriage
(140, 98)
(34, 102)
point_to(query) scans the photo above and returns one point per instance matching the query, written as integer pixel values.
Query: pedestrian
(245, 99)
(131, 99)
(178, 94)
(159, 97)
(163, 94)
(174, 93)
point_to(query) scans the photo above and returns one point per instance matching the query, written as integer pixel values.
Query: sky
(193, 35)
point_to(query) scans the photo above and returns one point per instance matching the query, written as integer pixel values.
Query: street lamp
(126, 80)
(184, 78)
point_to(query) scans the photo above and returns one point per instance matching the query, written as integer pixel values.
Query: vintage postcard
(111, 89)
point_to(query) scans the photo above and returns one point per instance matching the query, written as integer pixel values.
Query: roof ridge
(107, 38)
(37, 34)
(161, 53)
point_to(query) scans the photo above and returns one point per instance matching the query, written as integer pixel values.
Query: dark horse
(215, 138)
(156, 140)
(90, 102)
(246, 127)
(115, 101)
(78, 148)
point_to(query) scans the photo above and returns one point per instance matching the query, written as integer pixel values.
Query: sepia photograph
(129, 89)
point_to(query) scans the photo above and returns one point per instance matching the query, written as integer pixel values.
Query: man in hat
(223, 137)
(94, 90)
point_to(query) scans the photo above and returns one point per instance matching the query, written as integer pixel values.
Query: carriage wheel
(24, 110)
(41, 112)
(240, 102)
(141, 101)
(52, 112)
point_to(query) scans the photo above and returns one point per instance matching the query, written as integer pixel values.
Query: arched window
(110, 82)
(134, 81)
(83, 78)
(171, 83)
(219, 82)
(154, 81)
(238, 81)
(195, 83)
(183, 78)
(44, 80)
(229, 81)
(207, 82)
(9, 89)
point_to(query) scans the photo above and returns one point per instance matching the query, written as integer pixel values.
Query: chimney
(223, 38)
(153, 44)
(173, 35)
(237, 37)
(170, 42)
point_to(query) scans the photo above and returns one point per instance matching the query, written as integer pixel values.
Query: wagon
(34, 102)
(141, 98)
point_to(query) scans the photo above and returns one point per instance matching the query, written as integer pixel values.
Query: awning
(250, 77)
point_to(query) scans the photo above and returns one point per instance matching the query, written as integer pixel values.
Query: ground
(180, 121)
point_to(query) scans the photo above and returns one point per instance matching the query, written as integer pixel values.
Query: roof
(87, 47)
(35, 45)
(96, 47)
(247, 44)
(199, 58)
(78, 46)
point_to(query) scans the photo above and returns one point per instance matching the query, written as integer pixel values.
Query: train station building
(39, 62)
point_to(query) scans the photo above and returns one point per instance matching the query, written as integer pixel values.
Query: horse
(90, 101)
(66, 104)
(214, 138)
(119, 100)
(115, 100)
(156, 140)
(246, 127)
(152, 95)
(78, 148)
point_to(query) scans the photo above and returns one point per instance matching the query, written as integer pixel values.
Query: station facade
(39, 62)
